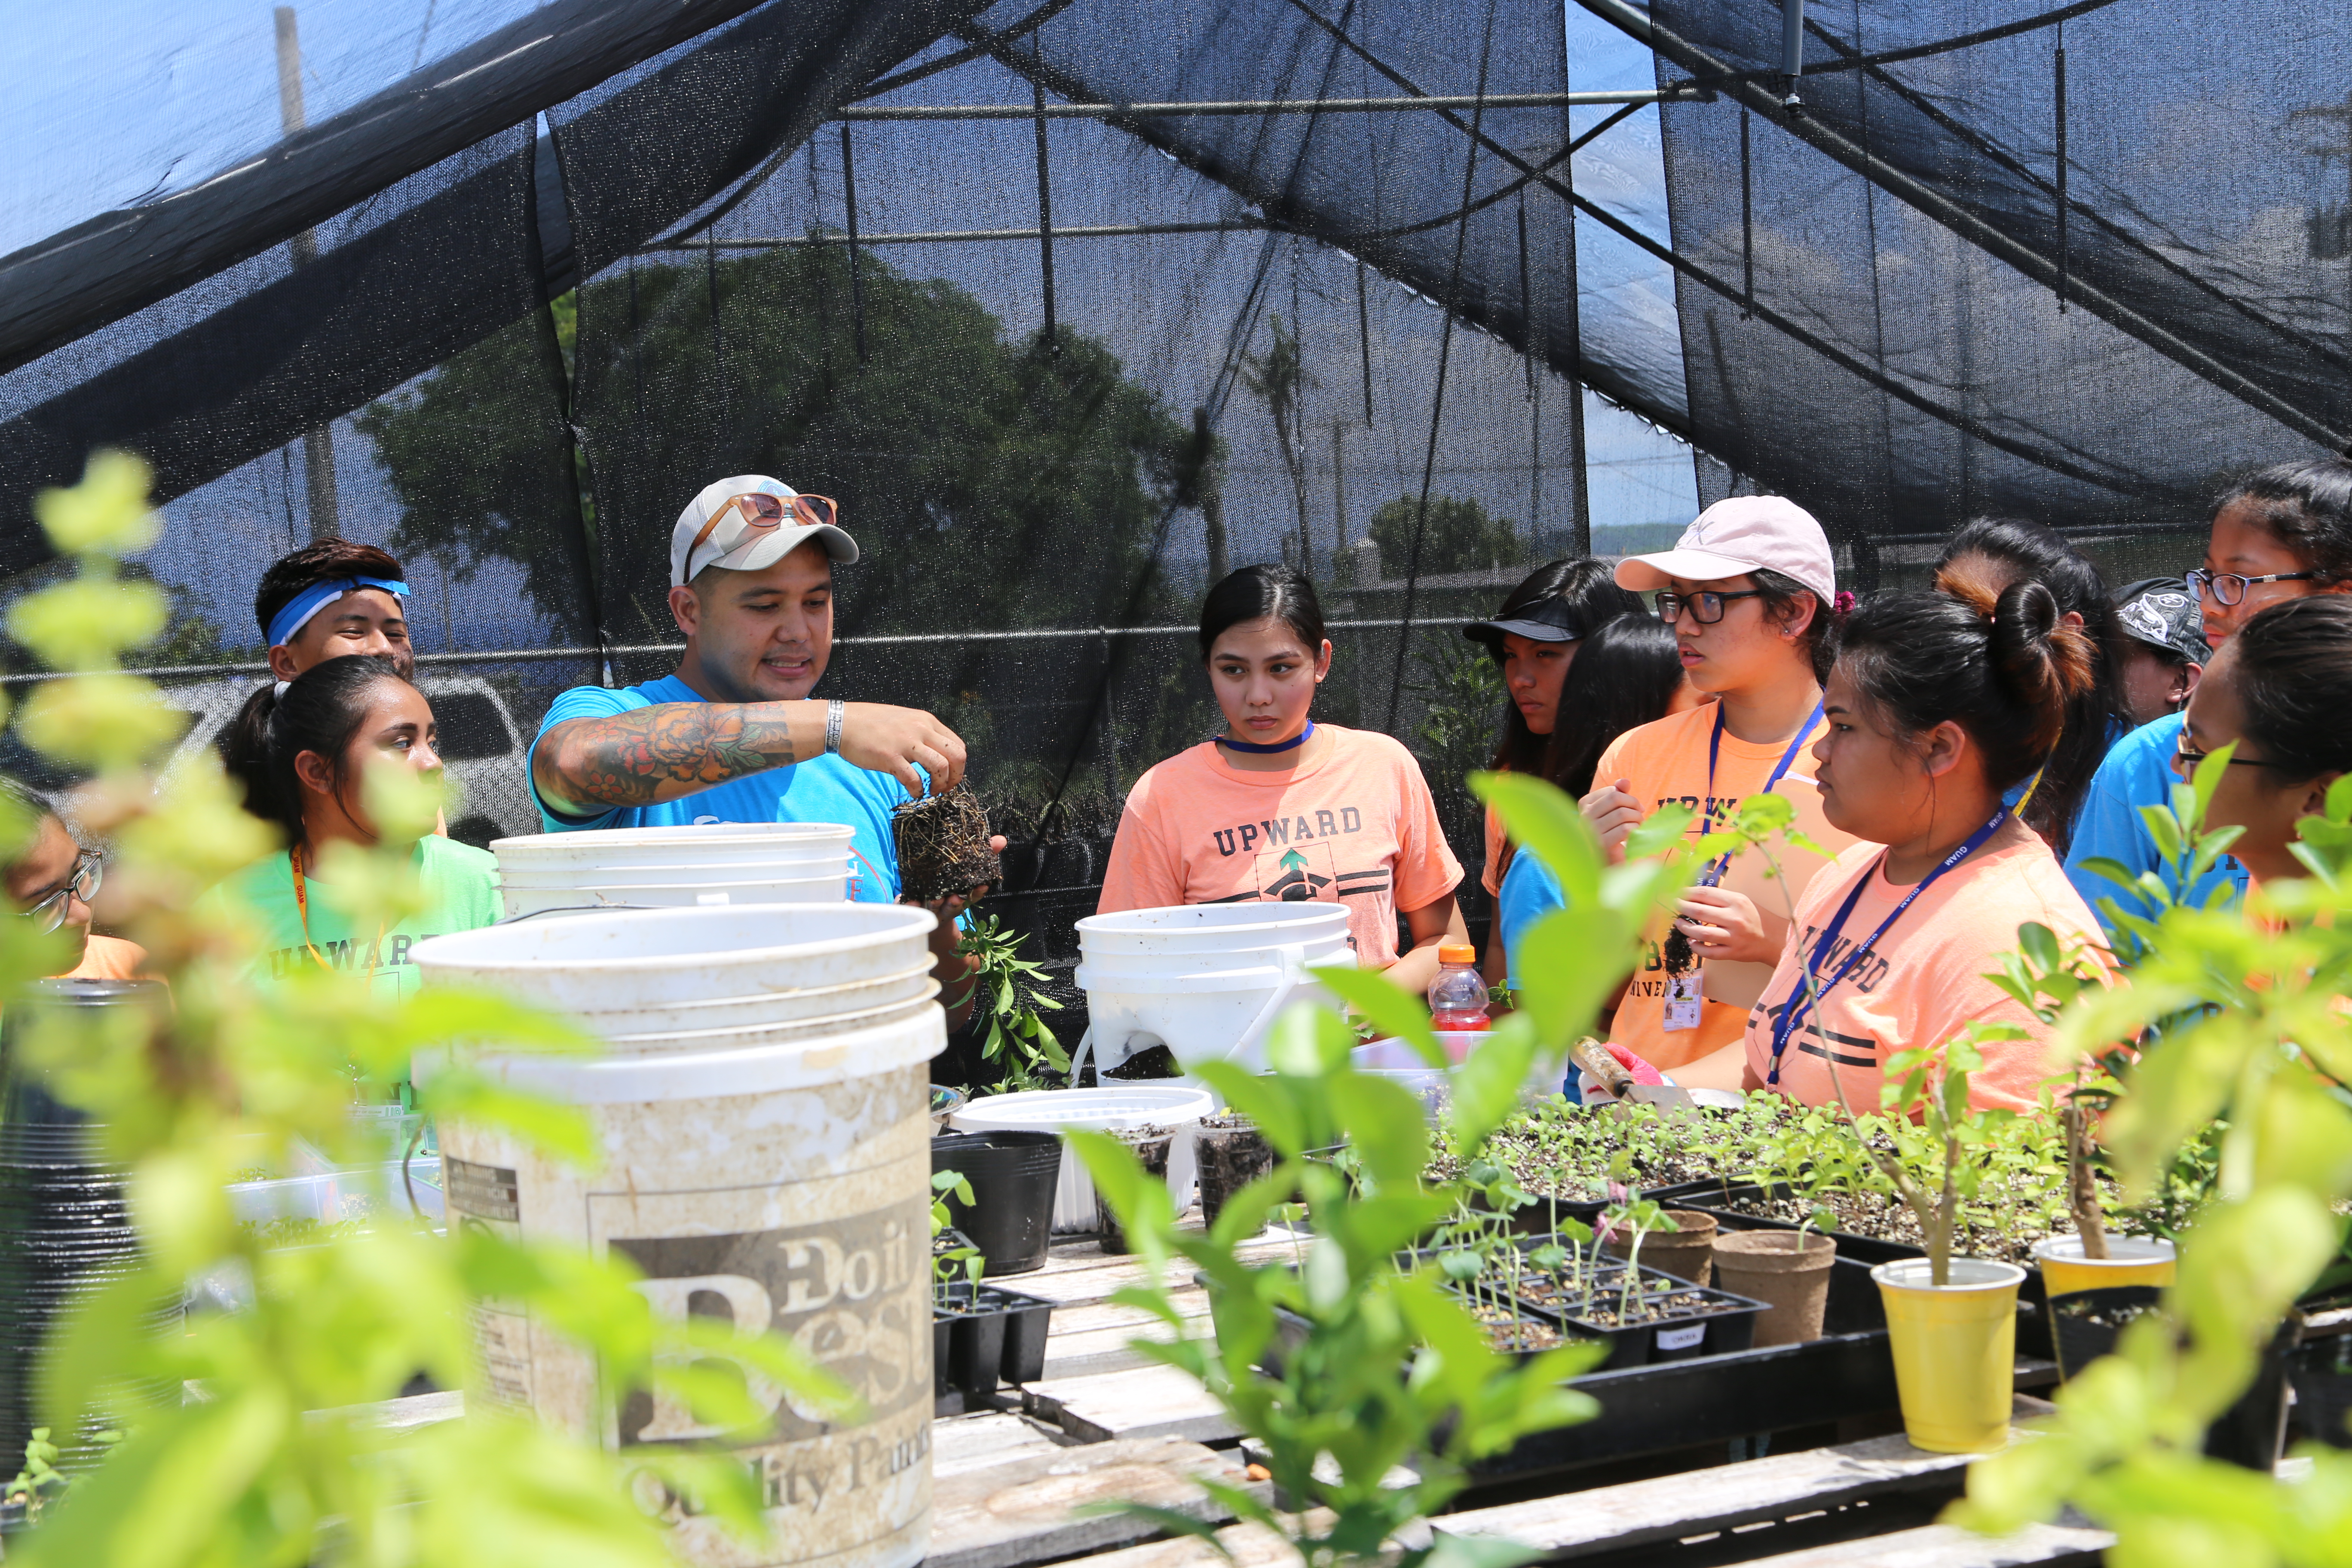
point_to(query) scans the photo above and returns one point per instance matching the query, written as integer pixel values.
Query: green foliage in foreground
(2255, 1035)
(1342, 1364)
(280, 1465)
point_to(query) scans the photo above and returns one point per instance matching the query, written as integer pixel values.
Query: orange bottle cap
(1457, 952)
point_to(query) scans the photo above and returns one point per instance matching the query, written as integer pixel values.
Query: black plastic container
(1013, 1178)
(2086, 1324)
(65, 1225)
(981, 1336)
(2320, 1368)
(1229, 1158)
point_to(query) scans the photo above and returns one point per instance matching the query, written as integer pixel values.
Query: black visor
(1547, 620)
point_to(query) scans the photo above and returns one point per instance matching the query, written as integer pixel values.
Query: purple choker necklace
(1255, 750)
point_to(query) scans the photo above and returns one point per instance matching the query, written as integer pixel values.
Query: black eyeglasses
(2187, 760)
(2229, 588)
(1705, 606)
(47, 911)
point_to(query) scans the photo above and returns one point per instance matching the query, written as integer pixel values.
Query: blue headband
(299, 609)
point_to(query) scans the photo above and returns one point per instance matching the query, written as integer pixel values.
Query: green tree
(989, 483)
(1279, 377)
(1458, 537)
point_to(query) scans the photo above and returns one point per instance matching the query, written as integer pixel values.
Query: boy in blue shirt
(732, 736)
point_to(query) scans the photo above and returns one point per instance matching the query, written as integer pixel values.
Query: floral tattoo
(627, 758)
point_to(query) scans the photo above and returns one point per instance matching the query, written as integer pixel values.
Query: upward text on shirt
(1245, 838)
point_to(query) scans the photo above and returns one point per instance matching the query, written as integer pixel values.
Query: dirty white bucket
(1212, 929)
(523, 900)
(624, 961)
(1204, 980)
(1110, 1108)
(812, 1002)
(1202, 1015)
(747, 1037)
(788, 1182)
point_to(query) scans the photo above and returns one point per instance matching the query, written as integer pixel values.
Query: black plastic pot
(1152, 1149)
(2252, 1431)
(65, 1225)
(1230, 1159)
(2321, 1370)
(2086, 1324)
(1013, 1178)
(981, 1336)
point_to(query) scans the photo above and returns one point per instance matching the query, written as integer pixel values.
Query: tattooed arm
(587, 765)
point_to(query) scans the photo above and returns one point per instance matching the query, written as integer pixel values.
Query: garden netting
(500, 286)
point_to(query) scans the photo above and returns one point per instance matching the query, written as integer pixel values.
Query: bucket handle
(1294, 965)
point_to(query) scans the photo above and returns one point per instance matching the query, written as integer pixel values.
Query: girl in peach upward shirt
(1282, 809)
(1751, 591)
(1939, 702)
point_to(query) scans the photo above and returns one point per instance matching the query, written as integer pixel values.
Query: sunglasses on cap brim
(763, 512)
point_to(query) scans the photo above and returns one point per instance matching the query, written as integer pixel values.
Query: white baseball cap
(1737, 536)
(748, 523)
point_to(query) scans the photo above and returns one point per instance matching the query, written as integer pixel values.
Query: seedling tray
(2033, 1298)
(982, 1336)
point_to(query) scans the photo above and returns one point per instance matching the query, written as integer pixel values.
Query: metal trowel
(1617, 1080)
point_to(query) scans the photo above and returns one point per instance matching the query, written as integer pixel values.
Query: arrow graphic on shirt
(1294, 861)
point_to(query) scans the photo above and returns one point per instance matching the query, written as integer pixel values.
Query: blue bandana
(287, 622)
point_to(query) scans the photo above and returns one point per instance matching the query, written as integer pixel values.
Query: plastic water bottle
(1457, 997)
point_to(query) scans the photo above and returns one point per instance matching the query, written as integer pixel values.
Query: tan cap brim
(766, 549)
(1648, 574)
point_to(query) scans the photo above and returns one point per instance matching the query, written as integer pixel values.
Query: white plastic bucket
(1212, 928)
(1393, 1058)
(714, 843)
(1319, 954)
(1203, 1016)
(1106, 1109)
(717, 875)
(790, 1182)
(749, 1037)
(812, 1001)
(630, 960)
(520, 902)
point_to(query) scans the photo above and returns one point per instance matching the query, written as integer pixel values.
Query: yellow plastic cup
(2130, 1260)
(1955, 1351)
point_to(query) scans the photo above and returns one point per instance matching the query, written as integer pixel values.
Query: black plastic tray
(1003, 1341)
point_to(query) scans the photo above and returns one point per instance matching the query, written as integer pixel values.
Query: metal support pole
(319, 441)
(2058, 97)
(1364, 342)
(1226, 109)
(1792, 50)
(849, 203)
(1747, 226)
(1045, 216)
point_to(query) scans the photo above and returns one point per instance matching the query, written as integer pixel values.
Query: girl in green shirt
(323, 731)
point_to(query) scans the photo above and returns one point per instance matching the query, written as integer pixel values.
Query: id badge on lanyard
(1686, 983)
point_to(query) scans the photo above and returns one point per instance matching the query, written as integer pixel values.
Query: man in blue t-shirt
(732, 736)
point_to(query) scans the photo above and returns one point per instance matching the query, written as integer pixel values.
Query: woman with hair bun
(1280, 809)
(1939, 704)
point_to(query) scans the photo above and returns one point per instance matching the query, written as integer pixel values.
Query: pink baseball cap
(1737, 536)
(751, 522)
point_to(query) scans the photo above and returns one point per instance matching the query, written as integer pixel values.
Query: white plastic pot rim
(732, 874)
(1967, 1274)
(882, 988)
(1102, 1109)
(496, 950)
(1240, 921)
(739, 1036)
(596, 839)
(712, 1075)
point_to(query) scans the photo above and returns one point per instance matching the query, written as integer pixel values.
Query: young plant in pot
(980, 1333)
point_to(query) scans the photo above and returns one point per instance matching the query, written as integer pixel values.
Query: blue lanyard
(1793, 1011)
(1713, 873)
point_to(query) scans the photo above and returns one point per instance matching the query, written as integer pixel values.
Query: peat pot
(1793, 1281)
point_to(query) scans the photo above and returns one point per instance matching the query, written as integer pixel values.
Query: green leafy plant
(280, 1462)
(1005, 992)
(1341, 1361)
(2255, 1041)
(40, 1481)
(959, 1258)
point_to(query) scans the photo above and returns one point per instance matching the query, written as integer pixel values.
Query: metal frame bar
(1250, 107)
(953, 235)
(597, 655)
(1934, 204)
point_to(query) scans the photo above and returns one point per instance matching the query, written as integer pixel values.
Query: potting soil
(942, 843)
(1885, 1218)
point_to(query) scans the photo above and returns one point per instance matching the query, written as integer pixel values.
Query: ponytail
(320, 711)
(1997, 661)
